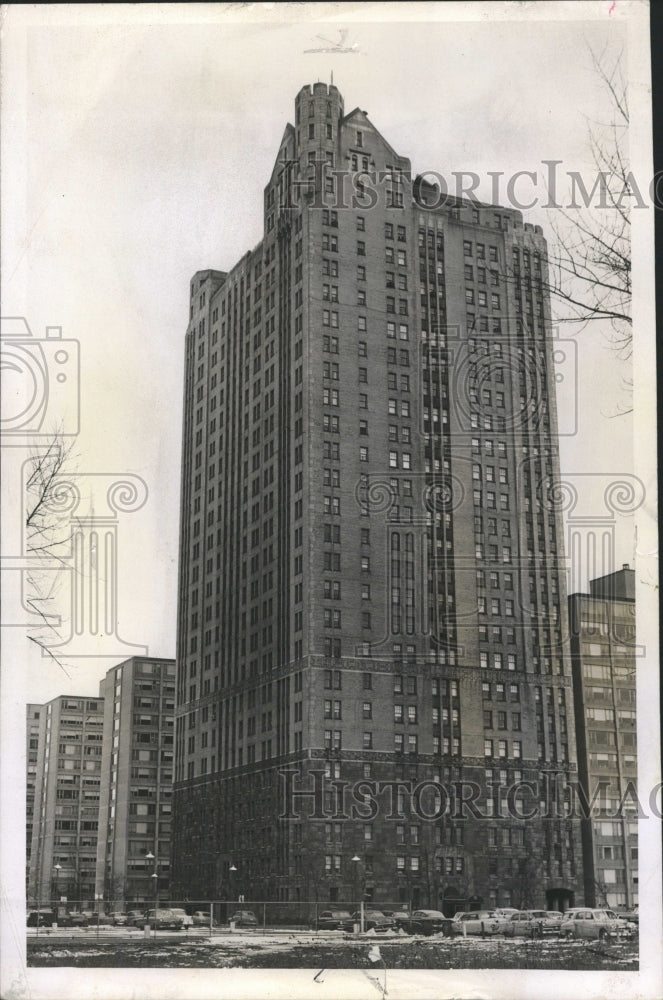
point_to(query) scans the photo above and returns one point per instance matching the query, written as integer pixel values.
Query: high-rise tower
(371, 579)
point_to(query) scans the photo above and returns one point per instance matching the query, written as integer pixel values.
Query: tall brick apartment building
(371, 583)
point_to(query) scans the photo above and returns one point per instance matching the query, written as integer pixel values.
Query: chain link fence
(200, 917)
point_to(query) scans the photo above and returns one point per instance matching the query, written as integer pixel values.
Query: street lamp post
(155, 879)
(156, 899)
(231, 883)
(57, 869)
(356, 862)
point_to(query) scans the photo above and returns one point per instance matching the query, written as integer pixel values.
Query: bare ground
(300, 951)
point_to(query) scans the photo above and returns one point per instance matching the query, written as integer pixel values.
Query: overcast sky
(138, 151)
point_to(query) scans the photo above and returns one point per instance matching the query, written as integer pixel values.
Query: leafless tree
(48, 536)
(524, 883)
(590, 259)
(600, 892)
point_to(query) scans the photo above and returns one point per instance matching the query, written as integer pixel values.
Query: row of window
(496, 662)
(500, 720)
(491, 500)
(482, 299)
(393, 256)
(499, 691)
(469, 251)
(500, 748)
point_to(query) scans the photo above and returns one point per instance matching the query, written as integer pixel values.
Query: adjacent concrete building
(604, 677)
(371, 581)
(136, 782)
(34, 734)
(66, 801)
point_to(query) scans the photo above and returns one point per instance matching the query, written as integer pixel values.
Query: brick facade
(370, 556)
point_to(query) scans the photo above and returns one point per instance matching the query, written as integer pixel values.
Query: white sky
(136, 143)
(137, 153)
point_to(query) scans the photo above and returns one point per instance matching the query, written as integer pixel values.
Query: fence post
(264, 916)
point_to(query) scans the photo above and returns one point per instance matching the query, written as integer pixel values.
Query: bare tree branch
(590, 258)
(48, 537)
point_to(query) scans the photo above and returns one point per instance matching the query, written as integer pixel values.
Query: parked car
(631, 915)
(624, 926)
(41, 918)
(400, 917)
(373, 920)
(164, 919)
(331, 920)
(73, 919)
(589, 923)
(136, 918)
(552, 921)
(475, 922)
(244, 918)
(95, 918)
(187, 920)
(118, 919)
(503, 918)
(428, 922)
(200, 918)
(526, 923)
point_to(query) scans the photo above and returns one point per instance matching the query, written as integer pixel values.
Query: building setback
(136, 782)
(66, 801)
(371, 579)
(604, 679)
(35, 729)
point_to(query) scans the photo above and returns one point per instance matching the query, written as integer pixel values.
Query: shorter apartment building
(136, 783)
(604, 677)
(65, 796)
